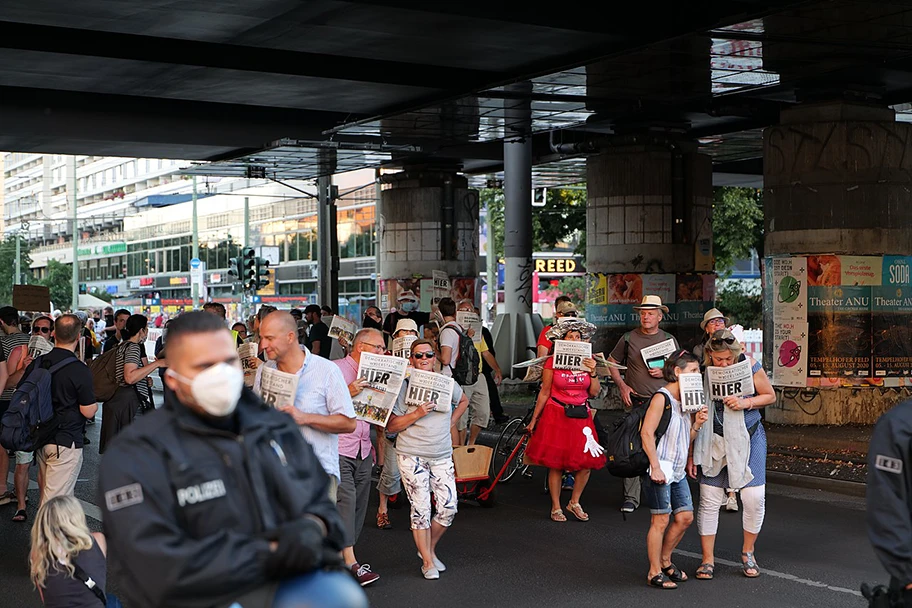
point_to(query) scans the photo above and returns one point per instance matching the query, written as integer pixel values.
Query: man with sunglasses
(355, 461)
(12, 365)
(640, 381)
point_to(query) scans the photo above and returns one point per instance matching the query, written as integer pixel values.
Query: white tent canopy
(88, 301)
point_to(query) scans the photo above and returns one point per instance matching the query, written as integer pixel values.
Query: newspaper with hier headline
(569, 354)
(248, 354)
(402, 346)
(278, 388)
(440, 287)
(429, 387)
(469, 320)
(342, 329)
(693, 395)
(654, 356)
(38, 346)
(384, 375)
(733, 381)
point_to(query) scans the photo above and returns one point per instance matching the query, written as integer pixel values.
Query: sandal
(705, 572)
(20, 515)
(383, 521)
(750, 564)
(558, 515)
(661, 581)
(672, 572)
(577, 510)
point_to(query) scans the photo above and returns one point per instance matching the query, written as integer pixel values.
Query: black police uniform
(188, 507)
(889, 494)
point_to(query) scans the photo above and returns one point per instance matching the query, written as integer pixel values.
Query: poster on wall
(790, 289)
(839, 330)
(890, 327)
(790, 353)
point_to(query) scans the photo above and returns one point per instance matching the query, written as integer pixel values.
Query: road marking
(782, 575)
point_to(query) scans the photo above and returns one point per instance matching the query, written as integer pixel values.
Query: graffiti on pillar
(469, 204)
(524, 289)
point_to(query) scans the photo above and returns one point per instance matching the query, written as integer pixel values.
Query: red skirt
(558, 441)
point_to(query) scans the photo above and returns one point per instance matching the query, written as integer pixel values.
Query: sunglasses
(720, 341)
(569, 314)
(420, 356)
(43, 330)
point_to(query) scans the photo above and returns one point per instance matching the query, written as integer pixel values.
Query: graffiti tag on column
(524, 291)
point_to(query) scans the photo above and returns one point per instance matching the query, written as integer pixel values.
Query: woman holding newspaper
(429, 405)
(731, 447)
(563, 435)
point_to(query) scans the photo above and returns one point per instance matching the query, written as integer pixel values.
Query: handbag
(573, 411)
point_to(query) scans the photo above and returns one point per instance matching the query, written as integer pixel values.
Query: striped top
(7, 344)
(130, 352)
(675, 443)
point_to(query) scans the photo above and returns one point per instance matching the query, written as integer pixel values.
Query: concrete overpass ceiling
(391, 82)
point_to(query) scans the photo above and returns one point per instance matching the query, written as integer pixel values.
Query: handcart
(473, 463)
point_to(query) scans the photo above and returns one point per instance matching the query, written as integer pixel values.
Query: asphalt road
(813, 552)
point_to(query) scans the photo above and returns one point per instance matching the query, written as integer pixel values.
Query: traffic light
(248, 268)
(262, 273)
(234, 269)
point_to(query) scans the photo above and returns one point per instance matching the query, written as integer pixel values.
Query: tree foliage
(562, 217)
(742, 302)
(737, 226)
(59, 280)
(8, 262)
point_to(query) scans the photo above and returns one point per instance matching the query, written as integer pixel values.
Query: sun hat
(559, 330)
(712, 313)
(406, 324)
(651, 303)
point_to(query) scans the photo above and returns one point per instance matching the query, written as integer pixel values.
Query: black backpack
(31, 420)
(624, 448)
(466, 363)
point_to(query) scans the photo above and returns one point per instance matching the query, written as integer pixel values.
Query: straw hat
(712, 313)
(651, 303)
(559, 330)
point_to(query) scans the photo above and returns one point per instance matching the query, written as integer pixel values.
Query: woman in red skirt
(563, 435)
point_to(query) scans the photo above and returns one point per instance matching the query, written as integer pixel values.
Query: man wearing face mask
(216, 498)
(406, 308)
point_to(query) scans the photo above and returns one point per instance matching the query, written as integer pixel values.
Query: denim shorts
(667, 497)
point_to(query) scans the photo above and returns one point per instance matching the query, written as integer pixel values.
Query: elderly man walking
(355, 462)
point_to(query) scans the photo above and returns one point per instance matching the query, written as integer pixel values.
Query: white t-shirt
(449, 337)
(429, 436)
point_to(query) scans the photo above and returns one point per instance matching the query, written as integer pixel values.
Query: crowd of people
(293, 483)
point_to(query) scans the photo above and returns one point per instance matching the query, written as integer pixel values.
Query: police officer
(889, 500)
(216, 498)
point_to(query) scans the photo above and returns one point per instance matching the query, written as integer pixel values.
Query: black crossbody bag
(573, 411)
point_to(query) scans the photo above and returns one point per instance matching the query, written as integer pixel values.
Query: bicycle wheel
(503, 449)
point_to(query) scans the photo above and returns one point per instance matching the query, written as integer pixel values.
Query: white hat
(406, 324)
(408, 294)
(712, 313)
(651, 303)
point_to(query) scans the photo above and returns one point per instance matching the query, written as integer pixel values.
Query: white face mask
(216, 389)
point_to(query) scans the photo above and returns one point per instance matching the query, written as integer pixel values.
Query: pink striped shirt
(358, 443)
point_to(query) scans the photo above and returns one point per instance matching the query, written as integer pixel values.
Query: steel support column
(327, 236)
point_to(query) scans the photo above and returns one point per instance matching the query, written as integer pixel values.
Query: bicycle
(511, 435)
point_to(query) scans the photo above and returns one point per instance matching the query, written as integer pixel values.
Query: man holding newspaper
(308, 388)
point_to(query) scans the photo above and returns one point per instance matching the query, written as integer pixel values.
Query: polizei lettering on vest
(201, 493)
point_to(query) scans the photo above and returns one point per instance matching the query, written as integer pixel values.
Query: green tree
(101, 294)
(737, 226)
(8, 261)
(59, 280)
(742, 302)
(562, 217)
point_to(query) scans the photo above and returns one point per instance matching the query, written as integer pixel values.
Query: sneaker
(501, 419)
(732, 503)
(383, 521)
(7, 497)
(567, 481)
(437, 563)
(628, 507)
(431, 574)
(364, 575)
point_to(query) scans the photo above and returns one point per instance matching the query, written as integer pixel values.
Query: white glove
(592, 446)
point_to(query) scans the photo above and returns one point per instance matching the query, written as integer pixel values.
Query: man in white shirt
(322, 407)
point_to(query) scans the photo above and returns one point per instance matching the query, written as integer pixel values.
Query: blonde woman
(731, 453)
(64, 555)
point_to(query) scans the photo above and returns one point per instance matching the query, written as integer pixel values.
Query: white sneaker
(431, 574)
(437, 563)
(732, 503)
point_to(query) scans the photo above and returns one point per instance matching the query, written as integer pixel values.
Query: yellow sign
(598, 289)
(557, 265)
